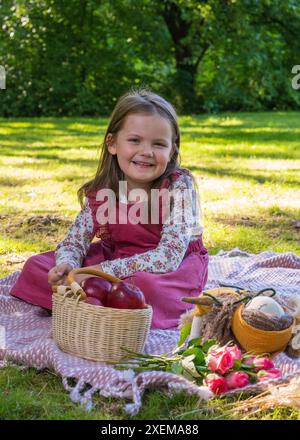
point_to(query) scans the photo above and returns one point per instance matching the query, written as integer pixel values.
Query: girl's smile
(143, 147)
(142, 164)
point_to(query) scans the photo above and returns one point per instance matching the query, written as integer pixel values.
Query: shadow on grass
(276, 227)
(283, 152)
(232, 173)
(14, 181)
(258, 129)
(243, 120)
(49, 157)
(53, 123)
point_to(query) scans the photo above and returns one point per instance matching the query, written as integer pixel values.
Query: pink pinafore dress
(162, 290)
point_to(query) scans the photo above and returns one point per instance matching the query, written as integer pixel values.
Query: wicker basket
(95, 332)
(256, 340)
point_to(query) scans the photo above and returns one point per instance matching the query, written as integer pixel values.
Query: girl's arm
(74, 247)
(175, 238)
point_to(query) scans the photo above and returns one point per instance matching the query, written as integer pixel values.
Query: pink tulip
(220, 360)
(235, 352)
(273, 373)
(237, 379)
(260, 363)
(249, 361)
(263, 363)
(217, 384)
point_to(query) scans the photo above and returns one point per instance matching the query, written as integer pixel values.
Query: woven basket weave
(95, 332)
(256, 340)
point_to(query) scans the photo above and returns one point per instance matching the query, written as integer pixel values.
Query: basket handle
(76, 289)
(85, 271)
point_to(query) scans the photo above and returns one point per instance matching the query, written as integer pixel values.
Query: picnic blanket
(26, 335)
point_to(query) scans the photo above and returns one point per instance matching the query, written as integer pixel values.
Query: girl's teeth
(143, 164)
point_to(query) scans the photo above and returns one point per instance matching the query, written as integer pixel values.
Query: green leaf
(200, 358)
(184, 333)
(237, 364)
(197, 352)
(187, 375)
(247, 367)
(177, 368)
(199, 380)
(208, 344)
(201, 368)
(189, 351)
(195, 342)
(252, 379)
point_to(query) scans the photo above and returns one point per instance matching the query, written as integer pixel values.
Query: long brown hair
(109, 173)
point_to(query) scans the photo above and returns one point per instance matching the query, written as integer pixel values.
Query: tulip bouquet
(229, 369)
(220, 368)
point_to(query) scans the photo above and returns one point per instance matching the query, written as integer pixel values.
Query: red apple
(125, 296)
(94, 301)
(96, 287)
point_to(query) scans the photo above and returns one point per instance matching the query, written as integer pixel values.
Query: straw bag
(256, 340)
(95, 332)
(250, 338)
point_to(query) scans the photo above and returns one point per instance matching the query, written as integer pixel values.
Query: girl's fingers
(58, 275)
(63, 270)
(60, 271)
(53, 277)
(53, 280)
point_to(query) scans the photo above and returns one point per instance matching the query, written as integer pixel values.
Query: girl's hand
(58, 274)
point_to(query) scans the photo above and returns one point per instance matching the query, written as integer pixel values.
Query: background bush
(76, 57)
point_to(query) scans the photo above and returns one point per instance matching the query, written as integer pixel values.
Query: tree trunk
(186, 66)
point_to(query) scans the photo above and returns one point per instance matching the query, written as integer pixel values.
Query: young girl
(164, 257)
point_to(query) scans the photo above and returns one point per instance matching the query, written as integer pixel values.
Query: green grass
(248, 170)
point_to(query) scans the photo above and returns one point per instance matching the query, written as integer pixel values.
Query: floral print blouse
(176, 234)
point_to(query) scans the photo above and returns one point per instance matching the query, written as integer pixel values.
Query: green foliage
(184, 332)
(250, 65)
(188, 360)
(76, 57)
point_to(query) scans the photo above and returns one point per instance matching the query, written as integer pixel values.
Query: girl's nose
(146, 149)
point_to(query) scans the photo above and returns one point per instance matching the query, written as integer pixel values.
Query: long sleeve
(180, 227)
(74, 247)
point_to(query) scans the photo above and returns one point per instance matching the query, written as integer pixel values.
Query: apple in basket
(93, 301)
(96, 287)
(125, 296)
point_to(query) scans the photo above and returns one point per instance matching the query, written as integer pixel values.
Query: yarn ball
(266, 305)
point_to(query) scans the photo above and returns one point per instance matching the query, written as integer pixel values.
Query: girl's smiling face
(143, 147)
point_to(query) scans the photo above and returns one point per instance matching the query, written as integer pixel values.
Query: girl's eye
(133, 140)
(160, 145)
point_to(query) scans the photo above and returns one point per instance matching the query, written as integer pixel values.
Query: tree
(215, 25)
(76, 57)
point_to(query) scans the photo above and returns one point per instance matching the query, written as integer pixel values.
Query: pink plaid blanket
(25, 333)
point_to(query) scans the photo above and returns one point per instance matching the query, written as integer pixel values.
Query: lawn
(247, 167)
